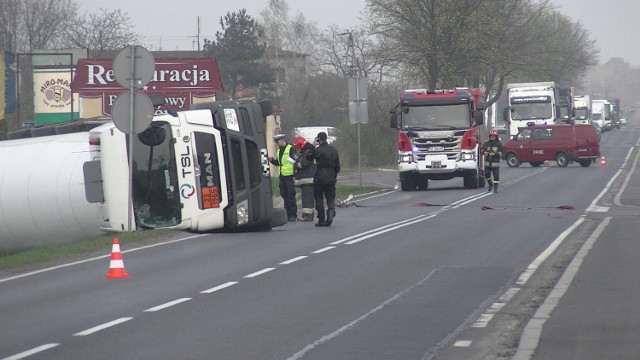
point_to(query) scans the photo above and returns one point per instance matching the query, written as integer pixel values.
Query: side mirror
(506, 114)
(558, 111)
(393, 119)
(479, 117)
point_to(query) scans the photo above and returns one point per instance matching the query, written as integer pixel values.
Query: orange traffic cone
(116, 265)
(603, 162)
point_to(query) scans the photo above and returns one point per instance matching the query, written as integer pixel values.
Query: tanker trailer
(42, 194)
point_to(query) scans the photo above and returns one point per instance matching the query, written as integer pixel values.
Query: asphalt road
(448, 273)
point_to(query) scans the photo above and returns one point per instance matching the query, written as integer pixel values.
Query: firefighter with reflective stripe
(492, 150)
(305, 171)
(286, 157)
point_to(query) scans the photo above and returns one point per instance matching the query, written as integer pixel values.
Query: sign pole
(132, 53)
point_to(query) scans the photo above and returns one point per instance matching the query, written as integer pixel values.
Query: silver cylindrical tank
(42, 198)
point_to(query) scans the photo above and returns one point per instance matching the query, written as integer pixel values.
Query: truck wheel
(423, 183)
(278, 217)
(585, 162)
(512, 160)
(471, 181)
(562, 160)
(266, 106)
(407, 183)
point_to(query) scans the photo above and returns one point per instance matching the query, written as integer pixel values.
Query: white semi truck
(582, 109)
(601, 113)
(531, 104)
(200, 169)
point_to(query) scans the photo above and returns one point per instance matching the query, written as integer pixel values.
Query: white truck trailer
(202, 169)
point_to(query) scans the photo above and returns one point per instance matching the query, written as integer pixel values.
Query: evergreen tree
(239, 53)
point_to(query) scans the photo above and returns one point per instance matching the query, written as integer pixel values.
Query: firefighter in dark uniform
(324, 182)
(492, 150)
(305, 171)
(286, 156)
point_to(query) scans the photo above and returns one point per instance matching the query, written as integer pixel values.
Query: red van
(562, 143)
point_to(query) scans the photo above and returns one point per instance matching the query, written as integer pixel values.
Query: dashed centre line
(103, 326)
(33, 351)
(169, 304)
(258, 273)
(219, 287)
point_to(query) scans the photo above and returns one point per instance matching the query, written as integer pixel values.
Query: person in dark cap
(324, 182)
(286, 156)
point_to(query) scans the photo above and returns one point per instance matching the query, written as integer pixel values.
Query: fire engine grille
(449, 146)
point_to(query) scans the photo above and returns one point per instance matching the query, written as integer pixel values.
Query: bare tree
(106, 30)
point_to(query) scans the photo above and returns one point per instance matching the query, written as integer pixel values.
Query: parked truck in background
(531, 104)
(201, 169)
(616, 113)
(565, 101)
(582, 109)
(601, 113)
(440, 134)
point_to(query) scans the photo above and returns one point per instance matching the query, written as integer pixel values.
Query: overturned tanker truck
(202, 169)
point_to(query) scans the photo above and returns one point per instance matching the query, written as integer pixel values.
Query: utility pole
(357, 86)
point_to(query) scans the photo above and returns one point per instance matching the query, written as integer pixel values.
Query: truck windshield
(529, 111)
(437, 117)
(156, 200)
(582, 114)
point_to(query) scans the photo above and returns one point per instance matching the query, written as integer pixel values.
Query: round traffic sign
(133, 66)
(142, 112)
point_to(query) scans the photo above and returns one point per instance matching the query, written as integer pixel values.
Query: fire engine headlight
(406, 158)
(468, 156)
(242, 212)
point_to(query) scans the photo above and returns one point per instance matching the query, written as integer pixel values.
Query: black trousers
(321, 192)
(496, 175)
(288, 193)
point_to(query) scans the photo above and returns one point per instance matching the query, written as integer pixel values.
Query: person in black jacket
(492, 150)
(324, 182)
(305, 171)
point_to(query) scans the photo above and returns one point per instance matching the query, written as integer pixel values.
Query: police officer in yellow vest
(286, 156)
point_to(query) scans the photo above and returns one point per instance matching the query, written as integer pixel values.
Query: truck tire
(423, 182)
(266, 106)
(471, 181)
(512, 160)
(407, 182)
(562, 159)
(279, 217)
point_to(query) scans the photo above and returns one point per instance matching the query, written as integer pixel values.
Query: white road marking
(323, 249)
(524, 277)
(351, 242)
(290, 261)
(219, 287)
(482, 321)
(169, 304)
(258, 273)
(616, 200)
(103, 326)
(462, 343)
(375, 230)
(533, 330)
(33, 351)
(352, 324)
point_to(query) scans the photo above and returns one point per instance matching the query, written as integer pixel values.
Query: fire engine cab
(440, 136)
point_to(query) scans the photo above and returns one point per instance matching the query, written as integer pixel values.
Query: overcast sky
(172, 24)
